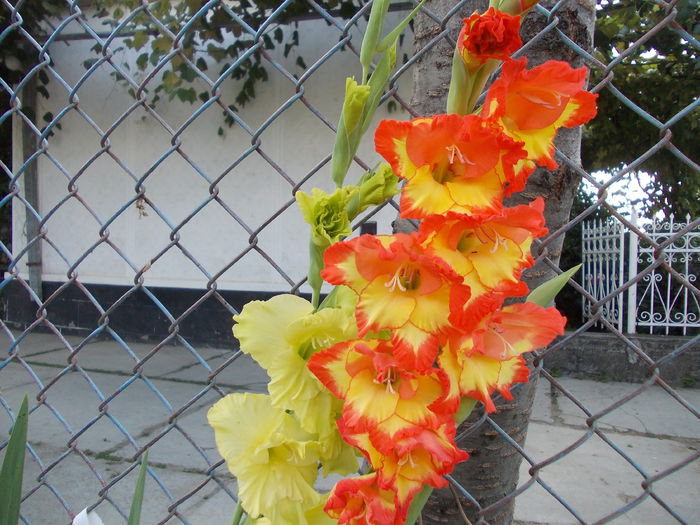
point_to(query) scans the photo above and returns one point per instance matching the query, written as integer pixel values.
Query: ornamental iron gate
(659, 302)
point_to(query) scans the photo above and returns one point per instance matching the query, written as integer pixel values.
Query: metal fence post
(24, 148)
(621, 278)
(631, 272)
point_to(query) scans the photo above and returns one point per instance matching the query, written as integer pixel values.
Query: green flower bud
(354, 104)
(378, 186)
(374, 188)
(327, 214)
(350, 129)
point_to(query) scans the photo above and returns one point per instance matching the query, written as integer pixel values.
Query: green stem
(315, 297)
(314, 275)
(456, 99)
(237, 514)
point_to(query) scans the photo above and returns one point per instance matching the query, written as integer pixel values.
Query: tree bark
(491, 473)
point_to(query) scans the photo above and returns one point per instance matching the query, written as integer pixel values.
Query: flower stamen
(395, 281)
(453, 150)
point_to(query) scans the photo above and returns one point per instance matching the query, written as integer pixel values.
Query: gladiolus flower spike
(419, 324)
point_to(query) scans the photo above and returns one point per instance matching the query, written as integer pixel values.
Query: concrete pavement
(97, 413)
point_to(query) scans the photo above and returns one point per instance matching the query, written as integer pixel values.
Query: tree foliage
(173, 40)
(221, 37)
(661, 76)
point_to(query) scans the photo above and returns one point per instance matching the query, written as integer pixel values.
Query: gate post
(631, 273)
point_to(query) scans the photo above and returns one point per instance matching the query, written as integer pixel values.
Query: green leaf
(87, 64)
(139, 40)
(142, 61)
(137, 501)
(377, 82)
(13, 468)
(187, 95)
(193, 5)
(419, 501)
(372, 33)
(216, 52)
(170, 81)
(162, 44)
(389, 39)
(545, 293)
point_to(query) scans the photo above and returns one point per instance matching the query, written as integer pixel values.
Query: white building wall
(297, 141)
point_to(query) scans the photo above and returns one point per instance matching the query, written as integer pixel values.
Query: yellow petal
(261, 326)
(262, 489)
(322, 329)
(238, 442)
(381, 307)
(272, 457)
(479, 193)
(432, 310)
(423, 195)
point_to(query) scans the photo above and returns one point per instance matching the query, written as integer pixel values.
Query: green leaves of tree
(661, 78)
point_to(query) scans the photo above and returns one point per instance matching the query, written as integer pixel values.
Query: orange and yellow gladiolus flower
(415, 460)
(478, 376)
(487, 357)
(451, 163)
(490, 250)
(401, 288)
(530, 105)
(360, 501)
(381, 397)
(516, 329)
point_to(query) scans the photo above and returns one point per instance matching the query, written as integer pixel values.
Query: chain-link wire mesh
(140, 226)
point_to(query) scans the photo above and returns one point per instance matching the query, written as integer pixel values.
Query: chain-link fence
(149, 183)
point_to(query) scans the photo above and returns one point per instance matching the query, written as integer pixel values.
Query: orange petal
(517, 329)
(360, 501)
(530, 105)
(481, 375)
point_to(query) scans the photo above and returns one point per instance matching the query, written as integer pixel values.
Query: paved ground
(100, 409)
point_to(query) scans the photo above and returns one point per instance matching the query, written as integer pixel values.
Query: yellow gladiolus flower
(274, 460)
(281, 334)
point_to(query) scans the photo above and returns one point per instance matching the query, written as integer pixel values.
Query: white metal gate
(663, 261)
(603, 257)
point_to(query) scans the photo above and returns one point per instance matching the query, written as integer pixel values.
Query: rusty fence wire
(147, 196)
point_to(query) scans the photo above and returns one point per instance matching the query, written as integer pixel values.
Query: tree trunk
(491, 473)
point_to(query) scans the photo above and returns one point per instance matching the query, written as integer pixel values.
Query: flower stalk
(419, 327)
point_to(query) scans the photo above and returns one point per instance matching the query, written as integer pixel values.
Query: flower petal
(261, 326)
